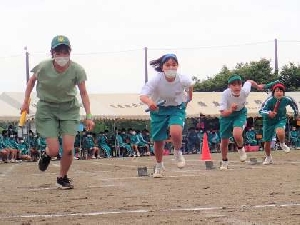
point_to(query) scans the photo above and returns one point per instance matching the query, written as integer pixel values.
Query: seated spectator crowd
(125, 143)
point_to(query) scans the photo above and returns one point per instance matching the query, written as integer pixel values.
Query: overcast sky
(108, 36)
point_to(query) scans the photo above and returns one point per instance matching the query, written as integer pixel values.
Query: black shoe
(64, 183)
(44, 162)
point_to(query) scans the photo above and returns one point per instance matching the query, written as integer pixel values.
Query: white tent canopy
(129, 107)
(8, 113)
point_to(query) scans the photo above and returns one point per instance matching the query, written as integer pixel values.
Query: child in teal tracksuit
(102, 143)
(251, 137)
(3, 151)
(294, 136)
(122, 144)
(273, 112)
(23, 147)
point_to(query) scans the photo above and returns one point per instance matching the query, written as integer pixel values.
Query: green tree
(260, 71)
(290, 76)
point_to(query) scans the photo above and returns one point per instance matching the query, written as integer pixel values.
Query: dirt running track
(108, 191)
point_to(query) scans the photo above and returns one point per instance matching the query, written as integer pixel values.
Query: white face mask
(170, 73)
(235, 94)
(62, 60)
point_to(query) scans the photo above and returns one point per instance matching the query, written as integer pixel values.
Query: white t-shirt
(174, 93)
(227, 98)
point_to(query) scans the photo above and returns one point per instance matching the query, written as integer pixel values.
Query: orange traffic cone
(206, 156)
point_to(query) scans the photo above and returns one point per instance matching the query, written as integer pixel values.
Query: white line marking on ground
(139, 211)
(54, 188)
(187, 171)
(6, 172)
(42, 174)
(101, 186)
(110, 164)
(143, 177)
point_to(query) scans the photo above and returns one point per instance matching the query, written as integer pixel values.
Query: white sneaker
(224, 165)
(268, 160)
(158, 172)
(285, 147)
(179, 159)
(243, 155)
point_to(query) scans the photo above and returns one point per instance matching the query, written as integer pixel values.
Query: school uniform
(57, 109)
(173, 111)
(279, 121)
(238, 117)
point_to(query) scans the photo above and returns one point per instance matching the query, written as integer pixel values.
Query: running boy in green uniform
(58, 109)
(234, 115)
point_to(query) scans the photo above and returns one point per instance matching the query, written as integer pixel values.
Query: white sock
(177, 152)
(160, 165)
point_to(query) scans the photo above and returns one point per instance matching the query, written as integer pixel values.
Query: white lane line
(6, 172)
(110, 164)
(55, 188)
(42, 174)
(140, 211)
(145, 177)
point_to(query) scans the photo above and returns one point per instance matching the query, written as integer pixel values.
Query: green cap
(60, 40)
(234, 78)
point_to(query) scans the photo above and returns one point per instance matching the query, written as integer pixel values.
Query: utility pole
(27, 64)
(27, 79)
(276, 58)
(146, 64)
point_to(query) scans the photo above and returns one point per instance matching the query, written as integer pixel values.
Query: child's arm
(253, 83)
(228, 111)
(190, 93)
(148, 101)
(147, 90)
(294, 106)
(259, 87)
(270, 85)
(264, 110)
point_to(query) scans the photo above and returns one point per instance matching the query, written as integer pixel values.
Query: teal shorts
(236, 119)
(163, 118)
(270, 126)
(55, 119)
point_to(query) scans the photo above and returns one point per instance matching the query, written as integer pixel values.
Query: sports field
(109, 191)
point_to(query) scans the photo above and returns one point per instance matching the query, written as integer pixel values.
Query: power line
(289, 41)
(11, 56)
(157, 49)
(91, 53)
(109, 52)
(77, 54)
(217, 46)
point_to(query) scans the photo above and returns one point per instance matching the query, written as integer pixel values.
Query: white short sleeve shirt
(227, 98)
(174, 93)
